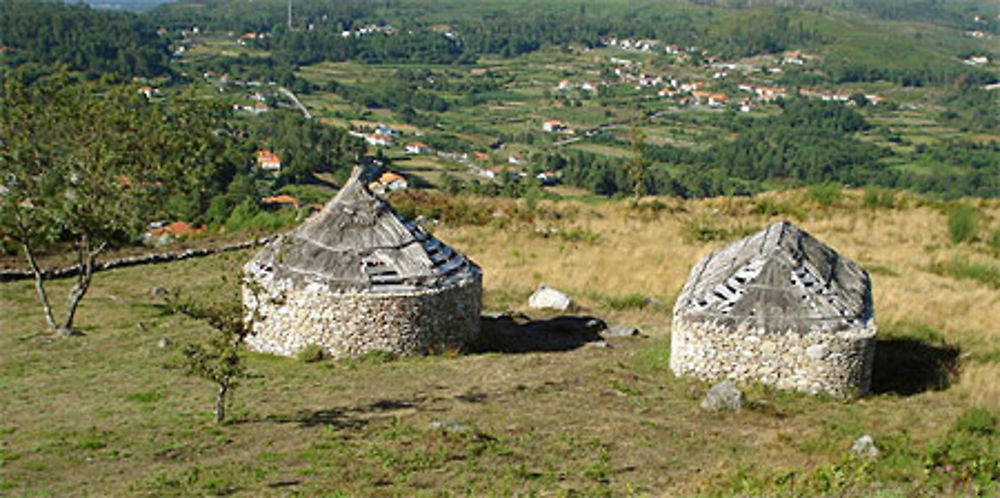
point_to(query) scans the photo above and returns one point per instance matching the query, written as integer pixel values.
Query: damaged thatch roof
(780, 278)
(358, 242)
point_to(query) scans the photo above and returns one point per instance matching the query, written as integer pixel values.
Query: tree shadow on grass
(906, 366)
(343, 418)
(507, 334)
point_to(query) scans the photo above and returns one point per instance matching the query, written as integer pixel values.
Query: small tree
(84, 164)
(638, 165)
(218, 358)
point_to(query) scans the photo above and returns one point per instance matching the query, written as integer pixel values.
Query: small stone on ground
(723, 396)
(864, 447)
(620, 331)
(548, 298)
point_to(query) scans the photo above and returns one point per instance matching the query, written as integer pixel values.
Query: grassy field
(110, 413)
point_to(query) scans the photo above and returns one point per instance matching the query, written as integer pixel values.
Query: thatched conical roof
(359, 243)
(781, 279)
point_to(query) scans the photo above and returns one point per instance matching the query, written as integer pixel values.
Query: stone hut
(358, 277)
(778, 307)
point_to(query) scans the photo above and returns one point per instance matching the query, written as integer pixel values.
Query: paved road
(288, 93)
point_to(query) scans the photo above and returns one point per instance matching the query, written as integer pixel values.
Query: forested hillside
(94, 42)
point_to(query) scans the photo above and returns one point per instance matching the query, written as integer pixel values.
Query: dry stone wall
(356, 322)
(838, 363)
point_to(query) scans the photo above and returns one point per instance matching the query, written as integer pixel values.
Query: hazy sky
(125, 4)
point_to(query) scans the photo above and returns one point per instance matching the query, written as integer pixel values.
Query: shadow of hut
(905, 366)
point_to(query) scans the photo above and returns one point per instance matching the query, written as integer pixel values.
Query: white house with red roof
(417, 148)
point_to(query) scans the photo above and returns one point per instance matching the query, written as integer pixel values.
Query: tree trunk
(220, 403)
(85, 261)
(40, 286)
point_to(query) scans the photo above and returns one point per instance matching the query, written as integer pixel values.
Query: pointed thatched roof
(358, 242)
(780, 278)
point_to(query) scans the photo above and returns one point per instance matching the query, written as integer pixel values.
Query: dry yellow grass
(641, 252)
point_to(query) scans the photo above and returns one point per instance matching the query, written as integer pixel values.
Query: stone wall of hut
(354, 323)
(838, 363)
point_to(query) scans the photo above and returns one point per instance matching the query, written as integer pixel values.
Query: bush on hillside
(963, 224)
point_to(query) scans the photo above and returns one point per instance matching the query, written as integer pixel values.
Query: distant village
(707, 82)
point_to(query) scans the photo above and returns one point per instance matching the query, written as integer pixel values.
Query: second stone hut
(358, 277)
(778, 307)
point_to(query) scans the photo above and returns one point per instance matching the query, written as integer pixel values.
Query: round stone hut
(778, 307)
(358, 277)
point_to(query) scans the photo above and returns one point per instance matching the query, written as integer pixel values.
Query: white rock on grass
(548, 298)
(620, 331)
(864, 447)
(723, 396)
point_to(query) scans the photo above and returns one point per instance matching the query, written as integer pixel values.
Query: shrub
(584, 235)
(963, 223)
(826, 194)
(451, 209)
(625, 302)
(879, 197)
(311, 354)
(995, 239)
(703, 229)
(769, 208)
(377, 356)
(976, 420)
(980, 271)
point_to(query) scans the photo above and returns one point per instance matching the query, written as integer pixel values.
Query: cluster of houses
(629, 44)
(250, 37)
(632, 45)
(382, 136)
(977, 60)
(695, 92)
(162, 232)
(502, 171)
(388, 181)
(794, 57)
(555, 126)
(368, 30)
(254, 108)
(699, 92)
(566, 85)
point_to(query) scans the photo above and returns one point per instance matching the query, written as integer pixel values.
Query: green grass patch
(984, 272)
(699, 229)
(625, 302)
(144, 397)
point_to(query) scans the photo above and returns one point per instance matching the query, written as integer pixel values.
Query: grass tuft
(964, 269)
(963, 224)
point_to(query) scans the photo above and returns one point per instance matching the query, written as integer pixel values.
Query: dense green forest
(94, 42)
(489, 29)
(498, 33)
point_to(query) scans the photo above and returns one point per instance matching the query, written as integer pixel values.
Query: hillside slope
(110, 413)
